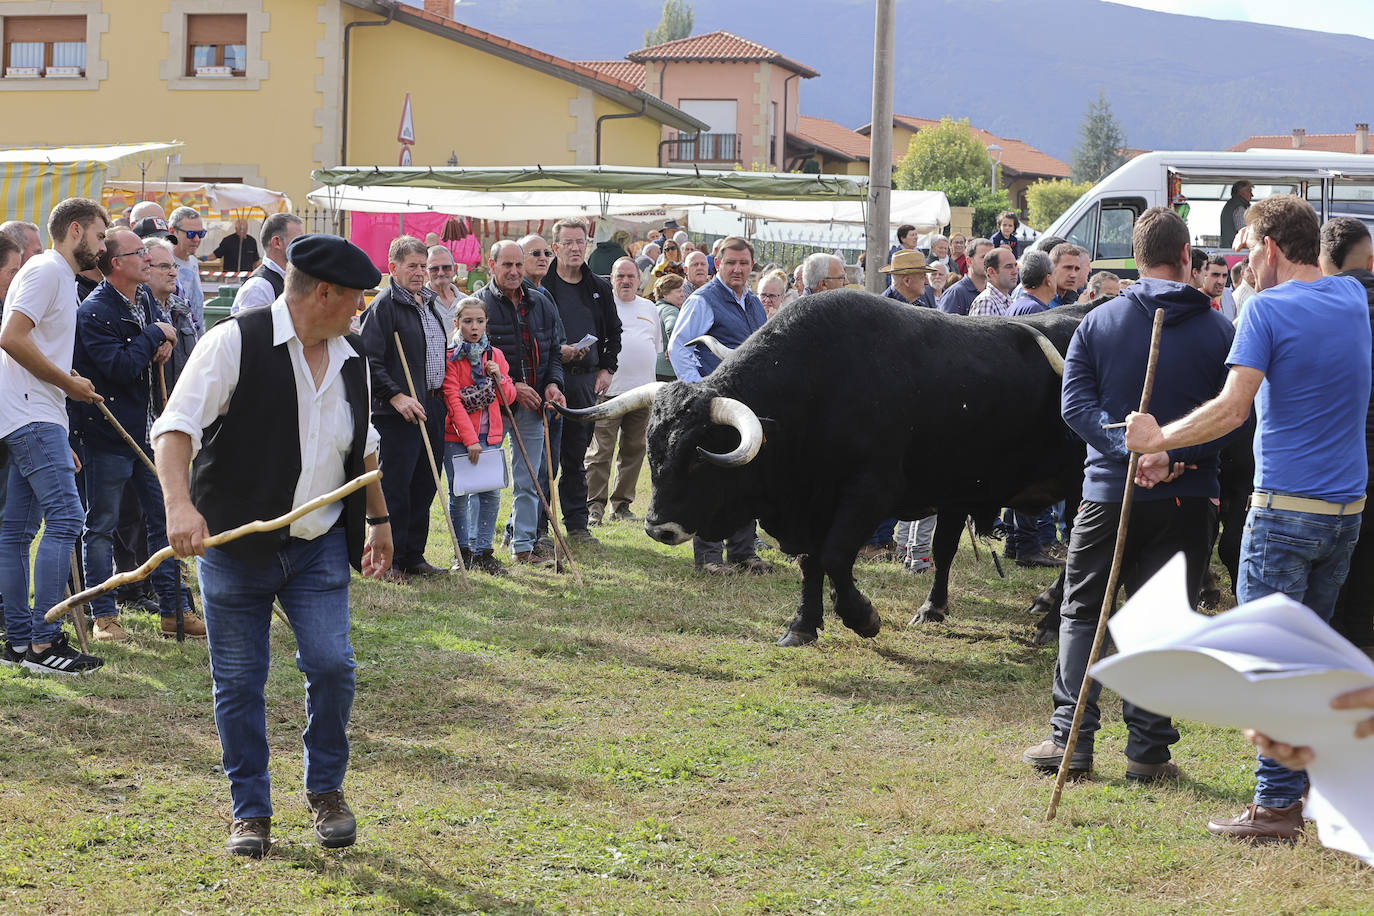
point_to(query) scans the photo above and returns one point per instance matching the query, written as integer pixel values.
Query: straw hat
(907, 261)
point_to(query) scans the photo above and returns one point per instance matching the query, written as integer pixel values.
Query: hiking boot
(878, 552)
(1147, 773)
(532, 558)
(249, 836)
(108, 629)
(1048, 756)
(424, 568)
(192, 625)
(1259, 824)
(60, 658)
(543, 549)
(1037, 559)
(756, 565)
(714, 569)
(485, 561)
(594, 514)
(623, 514)
(582, 536)
(335, 826)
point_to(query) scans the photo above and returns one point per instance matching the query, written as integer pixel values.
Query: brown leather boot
(250, 836)
(194, 626)
(1258, 824)
(335, 826)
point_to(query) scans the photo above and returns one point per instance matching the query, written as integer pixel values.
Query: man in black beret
(271, 412)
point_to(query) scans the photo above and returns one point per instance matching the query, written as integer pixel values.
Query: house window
(46, 46)
(216, 45)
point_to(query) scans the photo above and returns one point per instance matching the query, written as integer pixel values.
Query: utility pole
(878, 224)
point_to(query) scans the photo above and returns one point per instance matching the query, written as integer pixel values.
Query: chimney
(440, 8)
(1362, 138)
(1299, 135)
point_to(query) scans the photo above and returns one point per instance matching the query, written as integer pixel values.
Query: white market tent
(225, 200)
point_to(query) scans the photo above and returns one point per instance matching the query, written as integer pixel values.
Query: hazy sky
(1351, 17)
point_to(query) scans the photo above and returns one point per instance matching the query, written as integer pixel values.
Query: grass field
(637, 745)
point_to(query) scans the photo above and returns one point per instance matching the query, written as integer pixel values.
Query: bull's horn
(719, 349)
(617, 406)
(1051, 354)
(730, 412)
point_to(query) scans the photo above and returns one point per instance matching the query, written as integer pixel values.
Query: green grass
(635, 745)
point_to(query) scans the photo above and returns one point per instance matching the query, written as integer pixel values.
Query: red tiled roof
(835, 139)
(718, 46)
(1326, 143)
(627, 71)
(1017, 155)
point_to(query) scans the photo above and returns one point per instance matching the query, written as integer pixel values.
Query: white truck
(1198, 184)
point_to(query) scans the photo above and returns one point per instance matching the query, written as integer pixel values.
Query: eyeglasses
(839, 279)
(441, 269)
(169, 267)
(138, 252)
(192, 233)
(536, 253)
(768, 297)
(573, 243)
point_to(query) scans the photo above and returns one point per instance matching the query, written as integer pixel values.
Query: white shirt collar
(284, 330)
(272, 265)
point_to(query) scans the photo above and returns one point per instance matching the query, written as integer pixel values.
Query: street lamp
(993, 148)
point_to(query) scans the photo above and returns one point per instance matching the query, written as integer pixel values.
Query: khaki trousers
(630, 431)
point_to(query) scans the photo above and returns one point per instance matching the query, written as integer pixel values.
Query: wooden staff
(558, 540)
(538, 490)
(79, 618)
(1109, 597)
(434, 468)
(224, 537)
(972, 539)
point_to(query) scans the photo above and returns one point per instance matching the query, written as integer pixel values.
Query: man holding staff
(1103, 377)
(233, 406)
(121, 341)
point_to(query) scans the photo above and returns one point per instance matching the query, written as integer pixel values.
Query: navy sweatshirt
(1104, 372)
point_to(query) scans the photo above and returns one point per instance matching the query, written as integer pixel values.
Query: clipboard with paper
(491, 472)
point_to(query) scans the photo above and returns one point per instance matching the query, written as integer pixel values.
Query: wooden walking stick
(972, 539)
(1109, 597)
(434, 468)
(79, 616)
(559, 540)
(215, 540)
(538, 491)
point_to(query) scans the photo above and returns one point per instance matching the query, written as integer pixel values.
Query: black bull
(862, 409)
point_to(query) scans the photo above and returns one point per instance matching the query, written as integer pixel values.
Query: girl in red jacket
(474, 370)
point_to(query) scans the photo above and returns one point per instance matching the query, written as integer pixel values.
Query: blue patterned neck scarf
(473, 353)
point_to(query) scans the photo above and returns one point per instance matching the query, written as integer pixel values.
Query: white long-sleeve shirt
(256, 291)
(206, 385)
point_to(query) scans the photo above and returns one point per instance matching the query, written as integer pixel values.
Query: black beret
(333, 260)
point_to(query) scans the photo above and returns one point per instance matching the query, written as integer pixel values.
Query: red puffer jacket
(462, 426)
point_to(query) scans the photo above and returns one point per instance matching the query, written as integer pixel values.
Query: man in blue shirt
(1302, 346)
(959, 297)
(1037, 284)
(725, 309)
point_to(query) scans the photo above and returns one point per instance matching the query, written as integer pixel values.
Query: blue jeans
(41, 488)
(311, 579)
(525, 504)
(106, 473)
(474, 514)
(1305, 557)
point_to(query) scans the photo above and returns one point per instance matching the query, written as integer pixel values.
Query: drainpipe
(782, 141)
(343, 117)
(643, 107)
(662, 70)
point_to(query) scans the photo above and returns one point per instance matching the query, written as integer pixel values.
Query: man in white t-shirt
(640, 344)
(37, 338)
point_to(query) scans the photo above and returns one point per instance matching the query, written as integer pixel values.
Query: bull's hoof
(1045, 636)
(869, 628)
(794, 639)
(928, 613)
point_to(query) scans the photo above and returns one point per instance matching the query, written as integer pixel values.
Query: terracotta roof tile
(1018, 156)
(720, 46)
(625, 70)
(1326, 143)
(834, 138)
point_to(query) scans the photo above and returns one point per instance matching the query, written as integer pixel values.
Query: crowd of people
(106, 365)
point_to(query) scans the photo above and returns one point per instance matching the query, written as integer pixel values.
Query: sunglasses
(441, 269)
(536, 253)
(193, 233)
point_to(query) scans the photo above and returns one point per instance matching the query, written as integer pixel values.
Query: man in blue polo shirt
(1303, 345)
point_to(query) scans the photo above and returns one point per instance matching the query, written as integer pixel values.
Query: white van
(1336, 184)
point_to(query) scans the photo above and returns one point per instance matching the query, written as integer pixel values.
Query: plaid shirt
(991, 301)
(436, 341)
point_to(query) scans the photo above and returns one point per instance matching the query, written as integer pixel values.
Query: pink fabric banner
(373, 232)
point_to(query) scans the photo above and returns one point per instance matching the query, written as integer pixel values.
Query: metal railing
(704, 148)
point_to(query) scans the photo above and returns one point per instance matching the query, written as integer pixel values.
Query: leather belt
(1263, 499)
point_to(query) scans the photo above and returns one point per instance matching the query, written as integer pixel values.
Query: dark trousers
(571, 454)
(738, 547)
(131, 544)
(407, 481)
(1158, 530)
(1032, 531)
(555, 439)
(1354, 614)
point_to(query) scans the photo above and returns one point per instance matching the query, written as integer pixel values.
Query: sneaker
(1259, 824)
(714, 569)
(594, 517)
(919, 564)
(425, 569)
(466, 555)
(582, 536)
(249, 836)
(144, 604)
(192, 625)
(1152, 772)
(1037, 559)
(60, 658)
(1048, 756)
(335, 826)
(485, 561)
(108, 629)
(11, 656)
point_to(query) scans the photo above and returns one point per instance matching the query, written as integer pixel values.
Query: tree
(1046, 200)
(675, 23)
(1100, 142)
(947, 152)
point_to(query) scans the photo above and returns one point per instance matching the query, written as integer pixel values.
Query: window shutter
(217, 29)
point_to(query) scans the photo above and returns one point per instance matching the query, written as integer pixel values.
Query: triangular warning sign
(406, 132)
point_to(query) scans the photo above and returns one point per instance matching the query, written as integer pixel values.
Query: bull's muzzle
(667, 533)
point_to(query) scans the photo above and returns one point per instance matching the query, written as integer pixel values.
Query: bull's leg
(949, 526)
(808, 621)
(837, 558)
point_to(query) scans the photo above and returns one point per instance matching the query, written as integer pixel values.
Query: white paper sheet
(489, 473)
(1271, 665)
